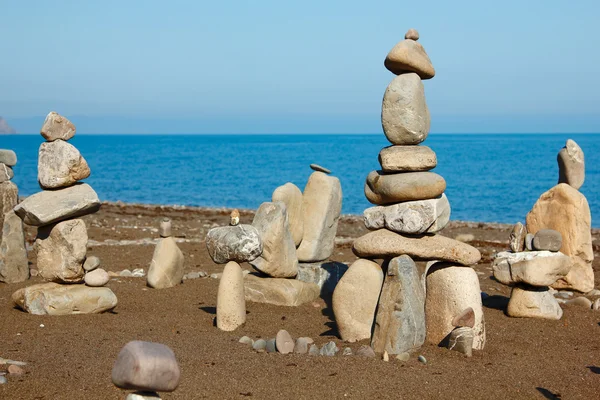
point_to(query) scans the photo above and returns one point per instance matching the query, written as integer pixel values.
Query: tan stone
(57, 127)
(409, 56)
(166, 267)
(533, 302)
(14, 266)
(96, 278)
(231, 305)
(291, 195)
(355, 300)
(6, 173)
(571, 165)
(9, 195)
(536, 268)
(407, 159)
(280, 292)
(382, 189)
(60, 164)
(412, 34)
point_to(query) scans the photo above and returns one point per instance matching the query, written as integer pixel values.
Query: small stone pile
(61, 241)
(166, 268)
(13, 254)
(411, 209)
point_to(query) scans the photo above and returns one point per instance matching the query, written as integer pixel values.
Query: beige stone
(533, 302)
(516, 239)
(57, 127)
(14, 266)
(9, 195)
(412, 34)
(60, 164)
(355, 300)
(571, 165)
(166, 267)
(536, 268)
(6, 173)
(409, 56)
(407, 159)
(291, 195)
(96, 278)
(280, 292)
(284, 342)
(382, 189)
(231, 305)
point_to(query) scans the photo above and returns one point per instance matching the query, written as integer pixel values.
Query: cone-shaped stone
(231, 305)
(60, 164)
(57, 127)
(530, 302)
(13, 255)
(571, 165)
(382, 188)
(409, 56)
(166, 267)
(291, 195)
(407, 159)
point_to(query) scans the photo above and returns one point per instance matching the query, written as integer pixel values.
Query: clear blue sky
(300, 66)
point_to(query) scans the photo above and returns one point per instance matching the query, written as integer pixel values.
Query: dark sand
(71, 357)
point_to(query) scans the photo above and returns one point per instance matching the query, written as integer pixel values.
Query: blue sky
(296, 67)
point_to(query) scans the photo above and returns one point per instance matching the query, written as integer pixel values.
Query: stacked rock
(166, 268)
(411, 209)
(13, 254)
(61, 241)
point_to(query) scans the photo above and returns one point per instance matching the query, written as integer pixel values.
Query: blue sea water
(490, 178)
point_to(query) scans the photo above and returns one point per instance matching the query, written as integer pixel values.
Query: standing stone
(547, 239)
(61, 250)
(566, 210)
(234, 243)
(13, 255)
(517, 238)
(60, 164)
(284, 342)
(278, 258)
(57, 127)
(400, 321)
(409, 56)
(532, 302)
(450, 290)
(231, 306)
(404, 113)
(8, 157)
(234, 217)
(355, 300)
(164, 228)
(6, 173)
(407, 158)
(571, 165)
(461, 340)
(321, 204)
(166, 268)
(382, 189)
(291, 195)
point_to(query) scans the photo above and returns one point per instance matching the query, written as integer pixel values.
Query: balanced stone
(411, 217)
(412, 34)
(146, 366)
(409, 56)
(536, 268)
(533, 302)
(407, 159)
(566, 210)
(165, 228)
(57, 127)
(13, 255)
(60, 164)
(317, 167)
(8, 157)
(322, 205)
(404, 113)
(386, 244)
(6, 173)
(355, 300)
(291, 195)
(571, 165)
(231, 305)
(461, 340)
(96, 278)
(234, 217)
(517, 238)
(382, 188)
(91, 263)
(278, 258)
(284, 342)
(49, 206)
(166, 267)
(400, 321)
(279, 292)
(233, 243)
(61, 250)
(325, 274)
(54, 299)
(547, 239)
(450, 290)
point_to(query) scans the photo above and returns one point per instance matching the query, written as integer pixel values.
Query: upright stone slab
(166, 267)
(531, 302)
(322, 205)
(571, 165)
(9, 194)
(400, 321)
(231, 305)
(60, 164)
(291, 195)
(13, 255)
(516, 239)
(355, 300)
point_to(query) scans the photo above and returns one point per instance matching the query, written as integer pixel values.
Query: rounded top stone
(316, 167)
(234, 217)
(412, 34)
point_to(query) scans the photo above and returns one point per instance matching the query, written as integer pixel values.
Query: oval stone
(382, 189)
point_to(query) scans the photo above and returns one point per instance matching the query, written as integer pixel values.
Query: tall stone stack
(61, 241)
(410, 209)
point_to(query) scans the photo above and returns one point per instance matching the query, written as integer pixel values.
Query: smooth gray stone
(284, 342)
(260, 345)
(517, 238)
(167, 266)
(271, 346)
(237, 243)
(383, 188)
(407, 159)
(143, 396)
(571, 165)
(164, 228)
(547, 239)
(96, 278)
(291, 196)
(347, 351)
(329, 349)
(422, 359)
(529, 241)
(403, 356)
(536, 268)
(13, 255)
(314, 350)
(6, 173)
(325, 275)
(461, 340)
(317, 167)
(91, 263)
(8, 157)
(531, 302)
(3, 380)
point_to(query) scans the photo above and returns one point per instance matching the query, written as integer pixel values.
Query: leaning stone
(382, 189)
(166, 267)
(6, 173)
(284, 342)
(231, 305)
(461, 340)
(412, 34)
(91, 263)
(165, 228)
(517, 238)
(322, 205)
(409, 56)
(536, 268)
(400, 321)
(278, 258)
(60, 165)
(407, 159)
(404, 113)
(325, 275)
(581, 302)
(329, 349)
(317, 167)
(96, 278)
(54, 299)
(531, 302)
(49, 206)
(411, 217)
(355, 300)
(571, 165)
(386, 244)
(8, 157)
(238, 243)
(146, 366)
(57, 127)
(365, 351)
(464, 319)
(279, 292)
(13, 254)
(301, 346)
(547, 239)
(291, 196)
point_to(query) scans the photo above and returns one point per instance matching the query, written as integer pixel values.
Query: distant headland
(5, 128)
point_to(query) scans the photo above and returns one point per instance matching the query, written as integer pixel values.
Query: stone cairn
(295, 227)
(394, 302)
(166, 268)
(61, 241)
(13, 254)
(554, 248)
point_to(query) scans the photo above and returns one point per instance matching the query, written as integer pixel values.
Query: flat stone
(57, 127)
(322, 205)
(91, 263)
(317, 167)
(13, 254)
(536, 268)
(146, 366)
(566, 210)
(581, 302)
(301, 346)
(461, 340)
(533, 302)
(355, 298)
(464, 319)
(8, 157)
(365, 351)
(96, 278)
(412, 34)
(400, 320)
(407, 159)
(231, 305)
(386, 244)
(15, 370)
(285, 343)
(411, 217)
(404, 113)
(325, 274)
(279, 292)
(571, 165)
(9, 195)
(54, 299)
(61, 250)
(291, 195)
(60, 165)
(547, 239)
(6, 173)
(409, 56)
(143, 396)
(329, 349)
(166, 267)
(238, 243)
(383, 189)
(51, 206)
(516, 239)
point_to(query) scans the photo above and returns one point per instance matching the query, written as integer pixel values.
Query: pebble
(329, 349)
(2, 379)
(314, 350)
(412, 34)
(33, 272)
(91, 263)
(284, 342)
(216, 275)
(316, 167)
(403, 356)
(301, 346)
(138, 273)
(465, 237)
(422, 359)
(365, 351)
(96, 278)
(246, 340)
(125, 273)
(271, 346)
(15, 370)
(143, 396)
(347, 351)
(259, 345)
(529, 241)
(593, 293)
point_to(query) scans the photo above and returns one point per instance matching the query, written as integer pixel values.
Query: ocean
(490, 178)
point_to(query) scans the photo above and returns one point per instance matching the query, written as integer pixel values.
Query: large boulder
(409, 56)
(291, 195)
(233, 243)
(536, 268)
(13, 255)
(231, 305)
(382, 188)
(571, 165)
(279, 292)
(57, 127)
(166, 267)
(407, 159)
(530, 302)
(60, 165)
